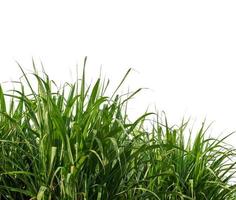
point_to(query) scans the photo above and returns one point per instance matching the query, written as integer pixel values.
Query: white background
(183, 51)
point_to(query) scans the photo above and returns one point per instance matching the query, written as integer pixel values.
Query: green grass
(77, 143)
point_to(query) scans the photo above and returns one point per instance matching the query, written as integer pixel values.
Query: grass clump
(77, 143)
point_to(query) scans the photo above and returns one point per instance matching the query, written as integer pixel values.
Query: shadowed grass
(77, 143)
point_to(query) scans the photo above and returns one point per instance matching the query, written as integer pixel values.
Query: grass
(77, 143)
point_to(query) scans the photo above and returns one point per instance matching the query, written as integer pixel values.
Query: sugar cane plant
(76, 142)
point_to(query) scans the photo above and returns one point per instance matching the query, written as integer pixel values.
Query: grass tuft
(77, 143)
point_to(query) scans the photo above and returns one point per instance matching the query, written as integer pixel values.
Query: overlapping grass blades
(76, 143)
